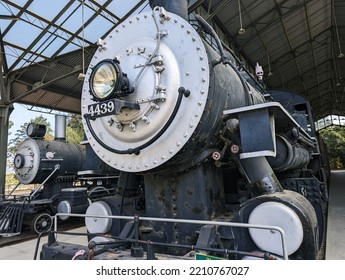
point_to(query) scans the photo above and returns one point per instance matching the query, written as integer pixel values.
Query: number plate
(101, 109)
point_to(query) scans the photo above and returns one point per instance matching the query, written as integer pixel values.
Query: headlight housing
(107, 80)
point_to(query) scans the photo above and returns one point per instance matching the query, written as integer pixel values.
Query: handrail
(57, 167)
(12, 191)
(186, 221)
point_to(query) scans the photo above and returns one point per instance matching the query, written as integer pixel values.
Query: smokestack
(178, 7)
(60, 128)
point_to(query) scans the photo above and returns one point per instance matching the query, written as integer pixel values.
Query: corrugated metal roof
(296, 40)
(299, 41)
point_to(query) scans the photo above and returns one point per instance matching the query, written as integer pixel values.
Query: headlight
(107, 80)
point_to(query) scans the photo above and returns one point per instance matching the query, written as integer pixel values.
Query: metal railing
(185, 221)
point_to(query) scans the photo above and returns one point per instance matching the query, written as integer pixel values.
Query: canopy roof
(47, 44)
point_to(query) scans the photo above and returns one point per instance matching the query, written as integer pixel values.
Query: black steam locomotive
(210, 162)
(67, 178)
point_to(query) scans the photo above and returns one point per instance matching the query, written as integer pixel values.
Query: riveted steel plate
(180, 61)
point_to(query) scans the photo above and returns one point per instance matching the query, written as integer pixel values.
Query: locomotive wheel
(41, 222)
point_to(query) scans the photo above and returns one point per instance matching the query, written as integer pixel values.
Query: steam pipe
(260, 173)
(178, 7)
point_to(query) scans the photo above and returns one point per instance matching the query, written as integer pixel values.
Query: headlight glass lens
(104, 80)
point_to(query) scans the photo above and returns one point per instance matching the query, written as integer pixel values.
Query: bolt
(216, 155)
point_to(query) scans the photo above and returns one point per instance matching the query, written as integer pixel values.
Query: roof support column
(4, 121)
(5, 111)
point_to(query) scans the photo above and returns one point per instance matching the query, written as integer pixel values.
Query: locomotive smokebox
(36, 158)
(170, 111)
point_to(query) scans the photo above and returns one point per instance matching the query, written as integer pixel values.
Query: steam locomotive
(210, 161)
(69, 176)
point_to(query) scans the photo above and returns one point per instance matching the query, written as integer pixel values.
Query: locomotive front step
(11, 220)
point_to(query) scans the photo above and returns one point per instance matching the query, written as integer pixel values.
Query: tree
(74, 129)
(334, 137)
(10, 124)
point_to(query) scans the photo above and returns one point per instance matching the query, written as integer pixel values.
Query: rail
(186, 221)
